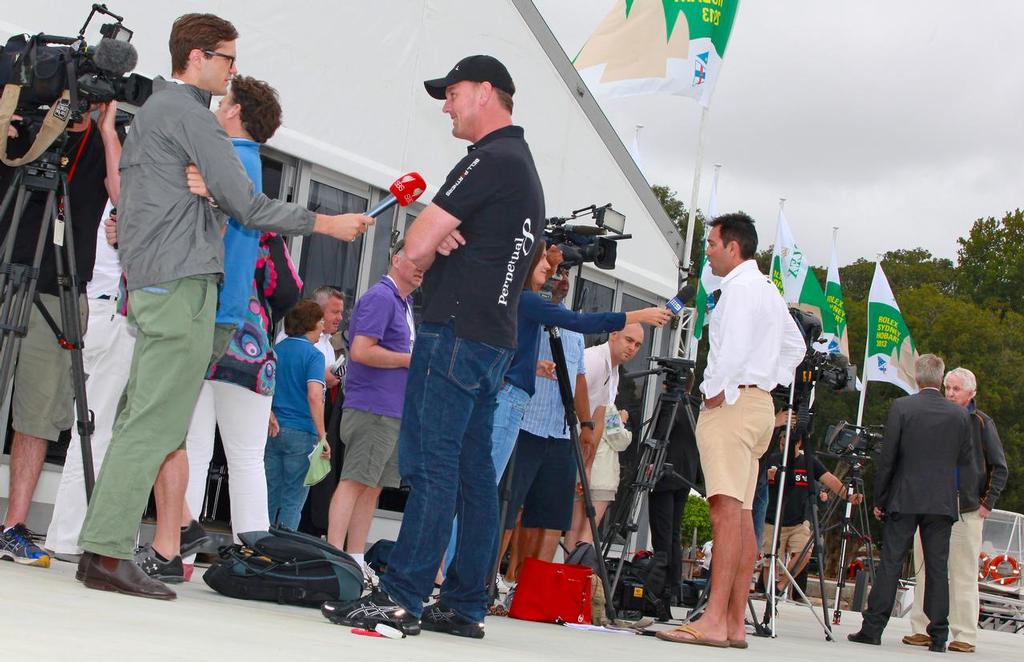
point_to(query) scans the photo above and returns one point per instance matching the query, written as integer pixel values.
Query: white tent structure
(356, 116)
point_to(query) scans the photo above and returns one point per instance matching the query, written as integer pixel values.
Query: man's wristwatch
(587, 424)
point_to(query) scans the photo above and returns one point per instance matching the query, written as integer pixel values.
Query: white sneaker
(370, 576)
(503, 586)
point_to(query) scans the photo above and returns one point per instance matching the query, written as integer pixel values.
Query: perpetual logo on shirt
(521, 247)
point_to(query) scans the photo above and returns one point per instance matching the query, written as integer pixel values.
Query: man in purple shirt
(382, 332)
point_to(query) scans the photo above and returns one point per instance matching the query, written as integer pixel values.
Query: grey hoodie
(164, 231)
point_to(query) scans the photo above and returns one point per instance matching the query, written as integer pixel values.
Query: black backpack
(287, 567)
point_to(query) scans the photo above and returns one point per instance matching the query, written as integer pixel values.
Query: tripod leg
(71, 323)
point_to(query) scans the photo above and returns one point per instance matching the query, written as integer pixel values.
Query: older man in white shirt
(755, 345)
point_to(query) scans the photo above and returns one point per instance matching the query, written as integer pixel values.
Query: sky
(898, 122)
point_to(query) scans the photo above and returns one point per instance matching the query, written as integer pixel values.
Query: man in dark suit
(926, 438)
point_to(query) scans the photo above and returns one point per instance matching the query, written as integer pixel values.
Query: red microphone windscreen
(408, 187)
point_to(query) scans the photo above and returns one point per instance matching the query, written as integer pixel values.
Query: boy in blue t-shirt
(297, 416)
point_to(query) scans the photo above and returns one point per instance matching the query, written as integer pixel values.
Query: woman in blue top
(297, 421)
(534, 313)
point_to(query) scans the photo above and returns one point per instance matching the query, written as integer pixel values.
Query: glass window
(595, 298)
(417, 297)
(380, 251)
(272, 174)
(327, 261)
(631, 391)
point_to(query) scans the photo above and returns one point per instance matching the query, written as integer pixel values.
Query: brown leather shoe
(961, 647)
(917, 640)
(109, 574)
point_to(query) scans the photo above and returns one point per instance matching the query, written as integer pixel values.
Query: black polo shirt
(496, 194)
(798, 483)
(88, 199)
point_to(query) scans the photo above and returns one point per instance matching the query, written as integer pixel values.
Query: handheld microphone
(115, 57)
(404, 190)
(678, 302)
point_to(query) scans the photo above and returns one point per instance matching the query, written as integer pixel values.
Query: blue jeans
(512, 402)
(760, 510)
(287, 461)
(444, 454)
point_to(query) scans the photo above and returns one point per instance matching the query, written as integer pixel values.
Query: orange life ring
(1004, 580)
(855, 566)
(983, 562)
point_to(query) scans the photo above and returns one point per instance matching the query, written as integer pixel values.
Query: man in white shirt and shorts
(755, 345)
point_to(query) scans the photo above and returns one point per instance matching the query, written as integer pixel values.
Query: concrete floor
(47, 615)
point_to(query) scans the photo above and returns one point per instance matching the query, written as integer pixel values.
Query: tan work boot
(961, 647)
(917, 640)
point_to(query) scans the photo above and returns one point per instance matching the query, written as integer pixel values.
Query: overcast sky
(898, 122)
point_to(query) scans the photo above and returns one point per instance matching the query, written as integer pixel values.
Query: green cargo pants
(175, 322)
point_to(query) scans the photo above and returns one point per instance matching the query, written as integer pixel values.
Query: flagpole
(691, 335)
(694, 194)
(867, 345)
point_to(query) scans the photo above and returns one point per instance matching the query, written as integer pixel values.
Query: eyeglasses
(229, 58)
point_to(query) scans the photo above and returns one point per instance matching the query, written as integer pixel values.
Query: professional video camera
(45, 65)
(587, 243)
(860, 441)
(832, 369)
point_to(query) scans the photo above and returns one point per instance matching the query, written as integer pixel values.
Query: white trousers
(106, 356)
(242, 416)
(964, 549)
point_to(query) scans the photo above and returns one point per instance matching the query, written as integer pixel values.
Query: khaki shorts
(792, 539)
(730, 439)
(43, 399)
(371, 448)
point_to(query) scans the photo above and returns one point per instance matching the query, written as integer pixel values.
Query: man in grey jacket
(171, 250)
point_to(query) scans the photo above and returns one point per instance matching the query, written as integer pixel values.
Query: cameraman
(171, 249)
(796, 527)
(43, 396)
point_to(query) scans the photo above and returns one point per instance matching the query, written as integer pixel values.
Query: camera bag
(287, 567)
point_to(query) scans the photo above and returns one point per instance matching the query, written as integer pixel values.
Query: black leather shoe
(859, 637)
(121, 576)
(937, 646)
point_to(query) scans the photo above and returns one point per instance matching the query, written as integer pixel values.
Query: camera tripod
(19, 282)
(651, 465)
(775, 563)
(853, 483)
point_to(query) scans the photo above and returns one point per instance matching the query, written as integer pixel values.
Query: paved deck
(47, 615)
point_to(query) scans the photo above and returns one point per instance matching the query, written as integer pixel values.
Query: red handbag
(552, 592)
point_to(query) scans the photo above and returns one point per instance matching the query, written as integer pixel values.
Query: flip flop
(738, 643)
(697, 638)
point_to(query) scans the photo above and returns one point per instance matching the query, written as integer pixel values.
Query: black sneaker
(438, 618)
(368, 611)
(193, 537)
(169, 572)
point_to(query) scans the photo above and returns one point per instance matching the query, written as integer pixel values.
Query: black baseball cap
(476, 68)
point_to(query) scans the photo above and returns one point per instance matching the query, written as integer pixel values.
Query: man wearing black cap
(477, 238)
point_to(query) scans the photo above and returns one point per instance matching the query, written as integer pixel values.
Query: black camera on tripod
(45, 65)
(859, 441)
(587, 243)
(833, 370)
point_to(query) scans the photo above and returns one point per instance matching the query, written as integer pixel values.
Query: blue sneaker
(16, 545)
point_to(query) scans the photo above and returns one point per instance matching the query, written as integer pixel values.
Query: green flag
(658, 47)
(708, 281)
(890, 351)
(792, 274)
(834, 325)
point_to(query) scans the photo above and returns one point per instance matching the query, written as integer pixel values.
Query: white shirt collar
(739, 269)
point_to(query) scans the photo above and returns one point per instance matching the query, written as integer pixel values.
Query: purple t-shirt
(381, 313)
